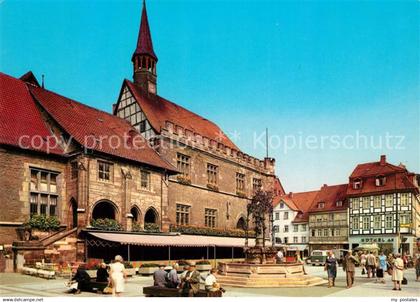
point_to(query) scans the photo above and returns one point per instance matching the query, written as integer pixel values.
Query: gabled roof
(159, 111)
(98, 130)
(144, 40)
(329, 195)
(300, 202)
(21, 119)
(397, 178)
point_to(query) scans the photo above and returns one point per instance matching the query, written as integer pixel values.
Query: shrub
(43, 223)
(183, 262)
(106, 224)
(151, 228)
(183, 180)
(202, 262)
(213, 187)
(128, 264)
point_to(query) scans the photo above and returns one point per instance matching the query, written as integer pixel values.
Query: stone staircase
(268, 280)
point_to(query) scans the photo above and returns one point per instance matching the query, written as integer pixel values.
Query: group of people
(114, 276)
(188, 282)
(375, 266)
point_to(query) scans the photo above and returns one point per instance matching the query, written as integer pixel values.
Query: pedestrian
(118, 276)
(418, 268)
(370, 264)
(382, 267)
(405, 260)
(397, 272)
(331, 268)
(159, 276)
(349, 265)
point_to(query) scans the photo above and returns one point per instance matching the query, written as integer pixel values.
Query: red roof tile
(397, 178)
(144, 41)
(329, 195)
(20, 118)
(159, 110)
(98, 130)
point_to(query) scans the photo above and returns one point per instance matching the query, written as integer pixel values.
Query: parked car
(318, 257)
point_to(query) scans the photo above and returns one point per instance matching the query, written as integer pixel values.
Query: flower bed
(106, 224)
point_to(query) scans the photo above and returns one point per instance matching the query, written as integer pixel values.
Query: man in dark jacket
(190, 284)
(102, 273)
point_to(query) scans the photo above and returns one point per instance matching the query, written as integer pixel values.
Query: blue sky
(304, 69)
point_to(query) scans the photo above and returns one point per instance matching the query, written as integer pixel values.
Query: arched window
(104, 209)
(136, 214)
(151, 216)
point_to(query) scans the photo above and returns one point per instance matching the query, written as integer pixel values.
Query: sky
(335, 82)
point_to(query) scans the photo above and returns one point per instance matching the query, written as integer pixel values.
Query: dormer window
(339, 203)
(281, 205)
(380, 181)
(357, 184)
(321, 205)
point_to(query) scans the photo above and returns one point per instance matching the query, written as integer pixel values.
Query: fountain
(260, 268)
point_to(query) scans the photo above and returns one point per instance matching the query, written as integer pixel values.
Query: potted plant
(129, 269)
(148, 268)
(203, 265)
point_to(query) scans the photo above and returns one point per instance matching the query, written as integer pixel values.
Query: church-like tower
(144, 58)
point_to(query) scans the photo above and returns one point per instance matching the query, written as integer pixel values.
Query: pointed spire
(144, 41)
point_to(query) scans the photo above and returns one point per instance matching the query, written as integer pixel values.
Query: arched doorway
(151, 216)
(136, 214)
(241, 224)
(73, 213)
(104, 209)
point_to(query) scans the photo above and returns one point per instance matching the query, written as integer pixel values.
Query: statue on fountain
(261, 208)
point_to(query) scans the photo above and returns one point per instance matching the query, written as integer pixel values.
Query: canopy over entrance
(177, 240)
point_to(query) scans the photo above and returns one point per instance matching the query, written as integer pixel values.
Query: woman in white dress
(397, 272)
(117, 274)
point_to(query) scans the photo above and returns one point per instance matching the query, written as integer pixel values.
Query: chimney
(325, 185)
(383, 160)
(290, 194)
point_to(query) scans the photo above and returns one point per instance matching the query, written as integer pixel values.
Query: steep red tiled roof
(144, 41)
(20, 118)
(397, 178)
(329, 195)
(298, 202)
(159, 110)
(98, 130)
(278, 187)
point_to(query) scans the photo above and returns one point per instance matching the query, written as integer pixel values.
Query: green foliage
(202, 262)
(151, 228)
(106, 224)
(188, 229)
(43, 223)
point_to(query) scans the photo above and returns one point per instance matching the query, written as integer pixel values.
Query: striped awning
(172, 240)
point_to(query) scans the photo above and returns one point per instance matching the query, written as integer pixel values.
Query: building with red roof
(328, 219)
(384, 206)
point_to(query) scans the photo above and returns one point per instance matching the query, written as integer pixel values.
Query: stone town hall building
(172, 171)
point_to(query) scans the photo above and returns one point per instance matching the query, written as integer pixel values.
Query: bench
(156, 291)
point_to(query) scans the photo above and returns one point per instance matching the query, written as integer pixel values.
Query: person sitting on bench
(159, 276)
(190, 284)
